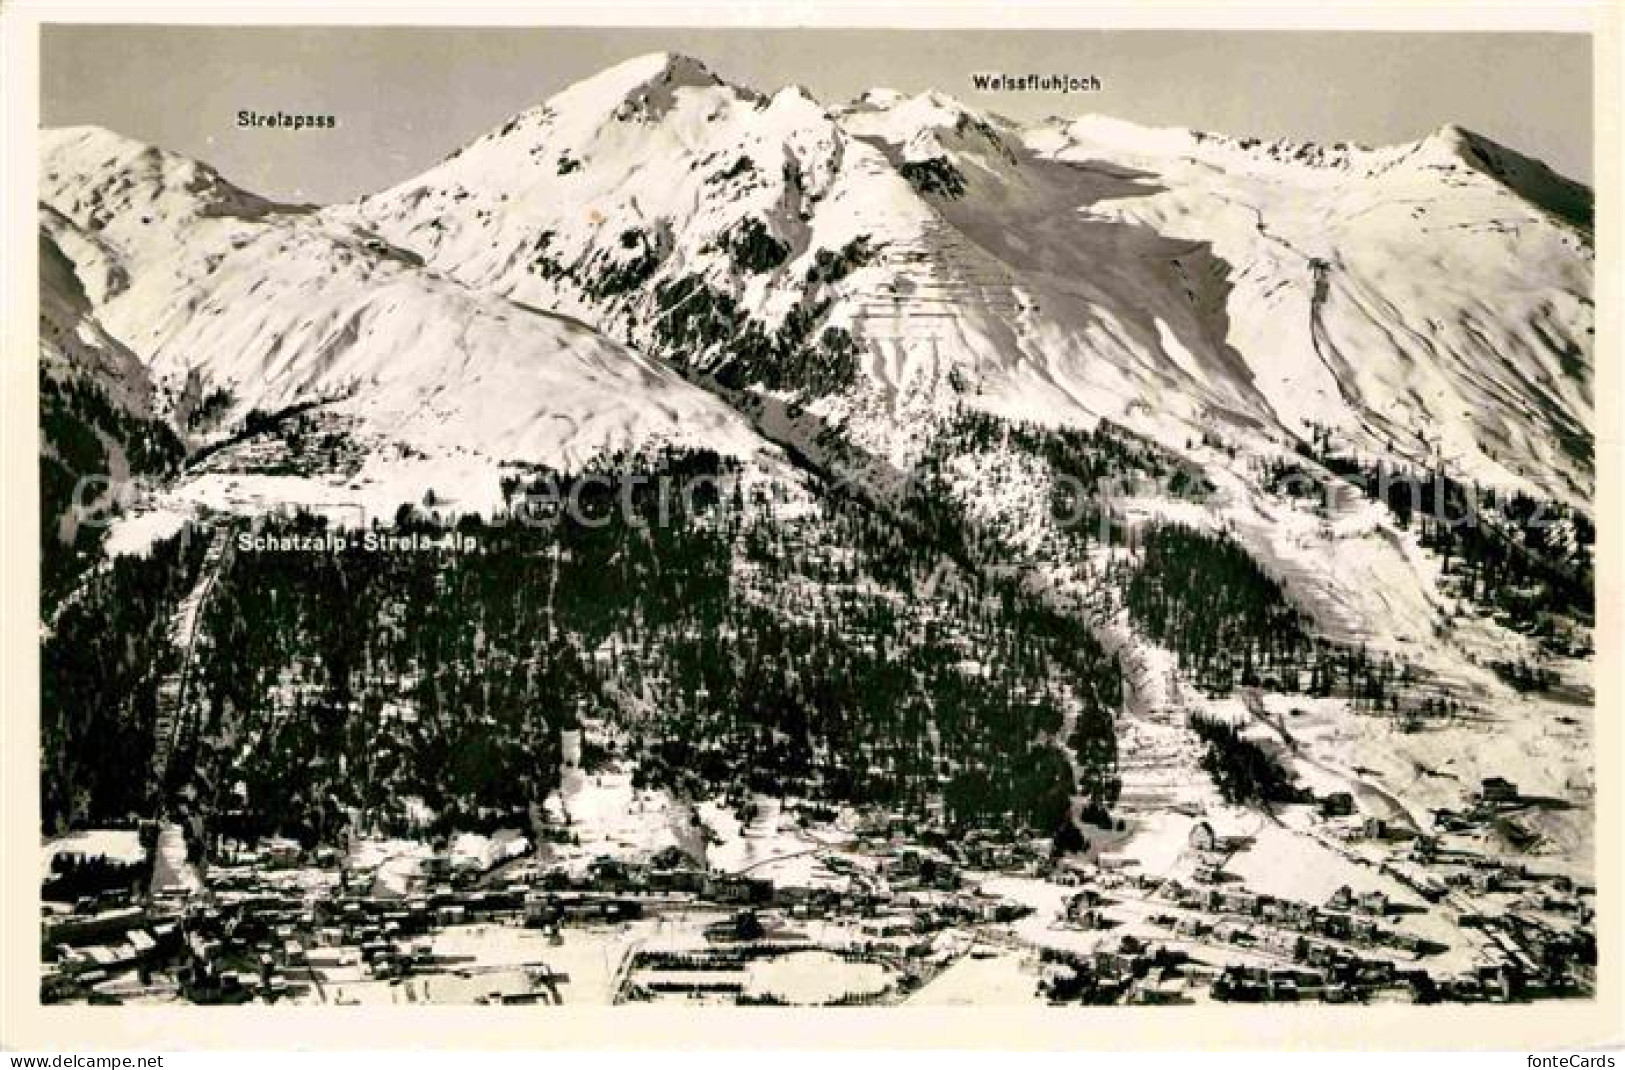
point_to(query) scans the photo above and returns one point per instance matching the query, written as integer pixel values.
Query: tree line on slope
(430, 687)
(78, 427)
(1526, 559)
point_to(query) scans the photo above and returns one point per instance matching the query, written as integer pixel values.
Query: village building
(1337, 804)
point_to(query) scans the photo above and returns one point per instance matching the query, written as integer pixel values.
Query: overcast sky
(405, 97)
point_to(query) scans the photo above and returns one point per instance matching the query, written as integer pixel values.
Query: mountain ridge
(827, 149)
(175, 191)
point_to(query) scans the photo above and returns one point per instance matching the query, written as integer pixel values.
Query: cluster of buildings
(1238, 916)
(275, 920)
(1516, 933)
(1242, 947)
(129, 919)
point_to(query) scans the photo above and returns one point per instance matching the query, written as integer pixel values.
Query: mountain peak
(1525, 176)
(1456, 142)
(929, 107)
(93, 172)
(646, 83)
(797, 92)
(1453, 132)
(642, 89)
(927, 125)
(661, 67)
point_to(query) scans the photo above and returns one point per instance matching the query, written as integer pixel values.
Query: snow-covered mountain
(73, 344)
(953, 315)
(234, 306)
(847, 279)
(1436, 293)
(97, 404)
(879, 262)
(898, 254)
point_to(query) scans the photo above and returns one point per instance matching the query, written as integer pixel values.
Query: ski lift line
(173, 719)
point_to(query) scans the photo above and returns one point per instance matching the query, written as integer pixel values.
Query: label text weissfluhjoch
(1036, 83)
